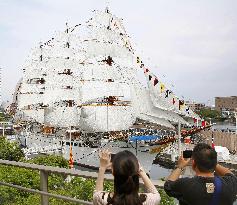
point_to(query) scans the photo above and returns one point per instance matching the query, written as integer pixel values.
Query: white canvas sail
(156, 120)
(164, 98)
(106, 118)
(33, 115)
(86, 76)
(62, 116)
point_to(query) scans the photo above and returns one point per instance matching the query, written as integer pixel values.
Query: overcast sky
(191, 44)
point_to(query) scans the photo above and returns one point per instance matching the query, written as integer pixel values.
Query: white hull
(85, 154)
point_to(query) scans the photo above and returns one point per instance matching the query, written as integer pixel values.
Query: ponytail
(126, 180)
(126, 193)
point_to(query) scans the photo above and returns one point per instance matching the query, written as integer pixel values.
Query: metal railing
(46, 170)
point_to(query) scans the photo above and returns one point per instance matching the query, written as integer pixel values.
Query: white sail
(106, 118)
(86, 76)
(144, 105)
(156, 120)
(62, 116)
(164, 98)
(33, 115)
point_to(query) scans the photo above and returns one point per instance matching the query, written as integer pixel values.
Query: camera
(112, 157)
(187, 153)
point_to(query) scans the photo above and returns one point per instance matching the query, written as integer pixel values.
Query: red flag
(146, 70)
(173, 101)
(187, 140)
(155, 81)
(203, 123)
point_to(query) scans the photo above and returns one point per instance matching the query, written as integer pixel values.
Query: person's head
(125, 169)
(204, 158)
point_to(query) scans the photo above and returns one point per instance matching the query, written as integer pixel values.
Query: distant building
(226, 103)
(195, 106)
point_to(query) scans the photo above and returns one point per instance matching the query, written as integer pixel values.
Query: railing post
(3, 129)
(44, 187)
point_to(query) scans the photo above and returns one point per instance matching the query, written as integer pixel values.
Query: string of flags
(166, 96)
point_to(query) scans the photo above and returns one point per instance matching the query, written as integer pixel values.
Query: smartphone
(112, 157)
(187, 153)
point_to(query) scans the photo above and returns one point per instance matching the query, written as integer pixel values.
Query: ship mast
(107, 6)
(88, 77)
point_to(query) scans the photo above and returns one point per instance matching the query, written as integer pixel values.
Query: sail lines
(86, 76)
(164, 98)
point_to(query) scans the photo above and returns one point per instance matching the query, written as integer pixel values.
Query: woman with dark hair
(126, 172)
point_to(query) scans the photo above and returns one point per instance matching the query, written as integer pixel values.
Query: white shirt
(152, 198)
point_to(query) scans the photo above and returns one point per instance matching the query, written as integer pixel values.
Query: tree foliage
(208, 113)
(165, 199)
(4, 116)
(10, 150)
(50, 160)
(76, 187)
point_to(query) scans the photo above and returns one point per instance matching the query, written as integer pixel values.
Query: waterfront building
(226, 105)
(195, 106)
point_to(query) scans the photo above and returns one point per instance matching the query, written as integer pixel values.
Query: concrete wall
(224, 139)
(229, 103)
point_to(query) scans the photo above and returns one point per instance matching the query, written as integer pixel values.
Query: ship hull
(86, 154)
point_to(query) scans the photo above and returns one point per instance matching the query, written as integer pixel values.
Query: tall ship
(80, 92)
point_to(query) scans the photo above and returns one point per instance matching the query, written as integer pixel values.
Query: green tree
(55, 181)
(10, 150)
(165, 199)
(208, 113)
(4, 116)
(50, 160)
(29, 178)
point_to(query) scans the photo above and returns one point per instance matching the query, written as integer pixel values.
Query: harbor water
(225, 127)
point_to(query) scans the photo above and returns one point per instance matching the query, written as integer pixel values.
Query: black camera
(187, 153)
(112, 157)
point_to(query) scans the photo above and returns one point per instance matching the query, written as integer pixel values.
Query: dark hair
(205, 157)
(126, 179)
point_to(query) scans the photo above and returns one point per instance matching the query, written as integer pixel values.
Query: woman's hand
(149, 186)
(141, 170)
(105, 158)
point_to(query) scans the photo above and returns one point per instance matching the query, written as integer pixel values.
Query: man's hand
(182, 162)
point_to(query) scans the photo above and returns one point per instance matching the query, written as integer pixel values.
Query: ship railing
(40, 149)
(44, 172)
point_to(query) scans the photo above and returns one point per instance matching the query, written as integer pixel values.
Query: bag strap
(216, 195)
